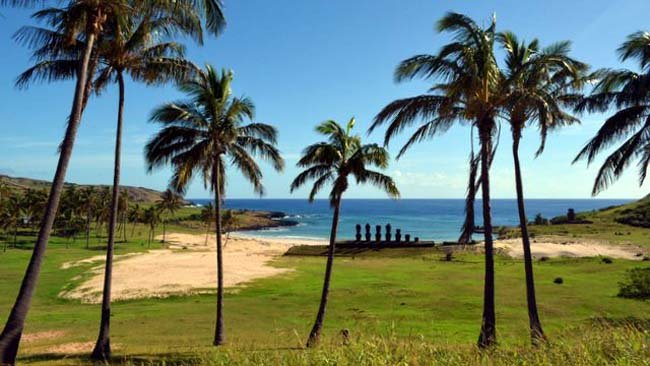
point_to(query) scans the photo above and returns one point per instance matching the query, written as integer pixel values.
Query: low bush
(636, 284)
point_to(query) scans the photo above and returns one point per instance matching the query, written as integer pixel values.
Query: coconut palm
(627, 91)
(85, 17)
(335, 161)
(151, 216)
(133, 50)
(207, 216)
(77, 27)
(197, 136)
(134, 215)
(537, 79)
(469, 89)
(169, 203)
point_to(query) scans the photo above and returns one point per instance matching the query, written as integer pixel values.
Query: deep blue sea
(428, 219)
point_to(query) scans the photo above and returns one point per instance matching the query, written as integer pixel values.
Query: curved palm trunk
(469, 224)
(488, 327)
(536, 332)
(102, 350)
(314, 335)
(219, 336)
(12, 332)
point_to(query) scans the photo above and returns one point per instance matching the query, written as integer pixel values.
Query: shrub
(558, 280)
(636, 284)
(607, 260)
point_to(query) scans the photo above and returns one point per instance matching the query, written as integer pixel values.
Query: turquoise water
(429, 219)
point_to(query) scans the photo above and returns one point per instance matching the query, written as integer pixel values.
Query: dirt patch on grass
(557, 247)
(187, 267)
(41, 336)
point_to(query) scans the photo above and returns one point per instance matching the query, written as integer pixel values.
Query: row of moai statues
(388, 234)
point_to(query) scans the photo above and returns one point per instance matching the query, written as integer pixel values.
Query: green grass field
(400, 306)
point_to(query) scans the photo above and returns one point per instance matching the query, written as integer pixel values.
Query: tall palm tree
(197, 136)
(85, 17)
(132, 49)
(469, 89)
(78, 26)
(537, 79)
(169, 203)
(334, 161)
(627, 91)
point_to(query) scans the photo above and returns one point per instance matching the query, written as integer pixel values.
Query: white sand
(187, 267)
(557, 247)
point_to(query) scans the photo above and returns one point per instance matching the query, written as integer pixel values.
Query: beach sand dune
(188, 266)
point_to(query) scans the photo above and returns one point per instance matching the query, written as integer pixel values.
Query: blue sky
(306, 61)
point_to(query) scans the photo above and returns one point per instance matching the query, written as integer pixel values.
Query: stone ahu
(387, 238)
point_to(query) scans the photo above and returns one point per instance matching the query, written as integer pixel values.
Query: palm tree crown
(628, 92)
(199, 133)
(341, 156)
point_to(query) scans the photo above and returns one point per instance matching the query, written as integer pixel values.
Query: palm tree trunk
(102, 349)
(469, 225)
(12, 332)
(88, 229)
(207, 234)
(219, 336)
(488, 327)
(536, 332)
(15, 236)
(314, 335)
(164, 230)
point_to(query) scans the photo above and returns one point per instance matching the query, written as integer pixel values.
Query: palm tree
(134, 215)
(78, 26)
(151, 216)
(132, 50)
(334, 161)
(81, 16)
(537, 79)
(169, 202)
(198, 134)
(207, 216)
(469, 89)
(88, 201)
(627, 91)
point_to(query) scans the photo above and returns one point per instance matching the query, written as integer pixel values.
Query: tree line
(99, 43)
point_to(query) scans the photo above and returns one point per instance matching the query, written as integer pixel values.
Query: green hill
(136, 194)
(624, 224)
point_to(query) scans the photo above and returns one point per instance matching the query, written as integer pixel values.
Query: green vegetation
(393, 302)
(607, 225)
(636, 284)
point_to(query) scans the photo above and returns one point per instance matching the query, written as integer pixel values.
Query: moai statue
(407, 238)
(378, 233)
(358, 235)
(388, 233)
(416, 239)
(398, 235)
(368, 235)
(571, 215)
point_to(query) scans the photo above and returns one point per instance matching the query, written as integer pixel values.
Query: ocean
(428, 219)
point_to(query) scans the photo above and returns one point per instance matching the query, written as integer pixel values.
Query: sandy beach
(187, 266)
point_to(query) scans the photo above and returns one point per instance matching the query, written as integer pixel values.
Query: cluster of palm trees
(96, 42)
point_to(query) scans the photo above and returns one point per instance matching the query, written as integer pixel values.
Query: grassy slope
(606, 226)
(397, 294)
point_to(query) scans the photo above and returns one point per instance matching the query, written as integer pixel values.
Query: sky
(303, 62)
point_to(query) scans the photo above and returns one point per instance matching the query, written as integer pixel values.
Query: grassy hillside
(624, 224)
(136, 194)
